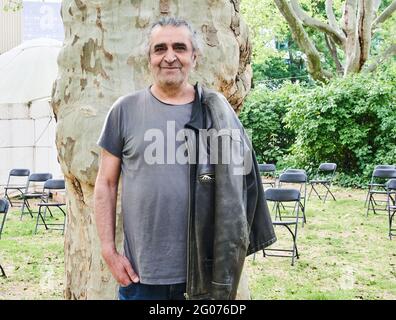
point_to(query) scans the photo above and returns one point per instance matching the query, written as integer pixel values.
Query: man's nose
(170, 56)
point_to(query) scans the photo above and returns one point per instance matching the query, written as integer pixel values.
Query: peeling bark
(353, 37)
(104, 57)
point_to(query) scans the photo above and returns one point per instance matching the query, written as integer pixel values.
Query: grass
(343, 255)
(33, 262)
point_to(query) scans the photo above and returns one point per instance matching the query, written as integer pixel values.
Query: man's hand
(121, 268)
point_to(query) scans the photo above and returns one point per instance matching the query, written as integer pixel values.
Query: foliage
(262, 114)
(265, 24)
(351, 122)
(275, 71)
(12, 5)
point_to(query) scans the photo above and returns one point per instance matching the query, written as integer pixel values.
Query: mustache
(174, 64)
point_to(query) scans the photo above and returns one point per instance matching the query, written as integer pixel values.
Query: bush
(351, 122)
(262, 115)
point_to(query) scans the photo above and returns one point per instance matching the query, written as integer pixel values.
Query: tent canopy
(27, 72)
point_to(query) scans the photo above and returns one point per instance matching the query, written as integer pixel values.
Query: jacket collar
(198, 114)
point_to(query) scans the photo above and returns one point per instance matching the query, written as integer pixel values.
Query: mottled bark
(103, 57)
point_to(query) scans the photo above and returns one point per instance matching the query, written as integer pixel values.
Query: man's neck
(172, 95)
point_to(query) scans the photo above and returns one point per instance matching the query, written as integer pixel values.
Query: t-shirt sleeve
(111, 138)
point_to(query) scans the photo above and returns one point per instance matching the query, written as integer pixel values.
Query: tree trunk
(354, 38)
(103, 57)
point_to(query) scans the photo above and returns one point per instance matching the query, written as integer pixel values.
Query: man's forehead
(170, 34)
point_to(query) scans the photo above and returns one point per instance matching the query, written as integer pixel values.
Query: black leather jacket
(228, 214)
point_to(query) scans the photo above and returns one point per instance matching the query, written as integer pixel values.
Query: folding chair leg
(26, 204)
(327, 192)
(39, 215)
(2, 224)
(317, 193)
(2, 272)
(294, 251)
(391, 216)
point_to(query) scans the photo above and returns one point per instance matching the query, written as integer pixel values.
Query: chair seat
(284, 223)
(378, 191)
(51, 204)
(14, 187)
(32, 195)
(319, 181)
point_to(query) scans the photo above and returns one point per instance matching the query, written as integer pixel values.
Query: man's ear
(194, 60)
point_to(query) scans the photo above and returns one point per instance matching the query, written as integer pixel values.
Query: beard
(170, 80)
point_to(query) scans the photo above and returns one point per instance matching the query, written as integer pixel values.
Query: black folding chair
(279, 196)
(380, 166)
(377, 192)
(267, 173)
(391, 205)
(4, 205)
(17, 181)
(324, 177)
(34, 190)
(296, 177)
(49, 186)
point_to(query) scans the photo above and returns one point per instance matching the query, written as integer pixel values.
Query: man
(190, 216)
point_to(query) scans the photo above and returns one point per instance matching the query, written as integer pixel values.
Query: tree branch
(338, 37)
(389, 52)
(333, 50)
(385, 14)
(314, 65)
(332, 19)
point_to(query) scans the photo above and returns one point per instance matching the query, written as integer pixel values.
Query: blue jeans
(139, 291)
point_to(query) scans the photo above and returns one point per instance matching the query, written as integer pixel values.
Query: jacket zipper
(188, 278)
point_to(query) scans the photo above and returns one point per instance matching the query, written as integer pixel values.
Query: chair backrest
(283, 195)
(385, 166)
(54, 184)
(391, 184)
(266, 167)
(20, 172)
(327, 167)
(38, 178)
(291, 170)
(21, 177)
(4, 205)
(384, 173)
(293, 177)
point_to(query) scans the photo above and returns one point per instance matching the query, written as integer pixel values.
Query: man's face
(171, 55)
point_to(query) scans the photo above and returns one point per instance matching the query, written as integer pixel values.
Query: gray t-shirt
(142, 132)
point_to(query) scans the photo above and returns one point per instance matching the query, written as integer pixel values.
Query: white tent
(27, 124)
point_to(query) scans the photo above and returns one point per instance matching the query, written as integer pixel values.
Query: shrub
(262, 115)
(351, 121)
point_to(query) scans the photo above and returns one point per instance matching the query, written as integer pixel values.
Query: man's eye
(159, 49)
(180, 48)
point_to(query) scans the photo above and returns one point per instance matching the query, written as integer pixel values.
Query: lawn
(343, 255)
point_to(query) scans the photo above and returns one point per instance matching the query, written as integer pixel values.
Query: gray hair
(175, 22)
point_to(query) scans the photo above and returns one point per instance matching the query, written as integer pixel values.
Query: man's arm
(105, 200)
